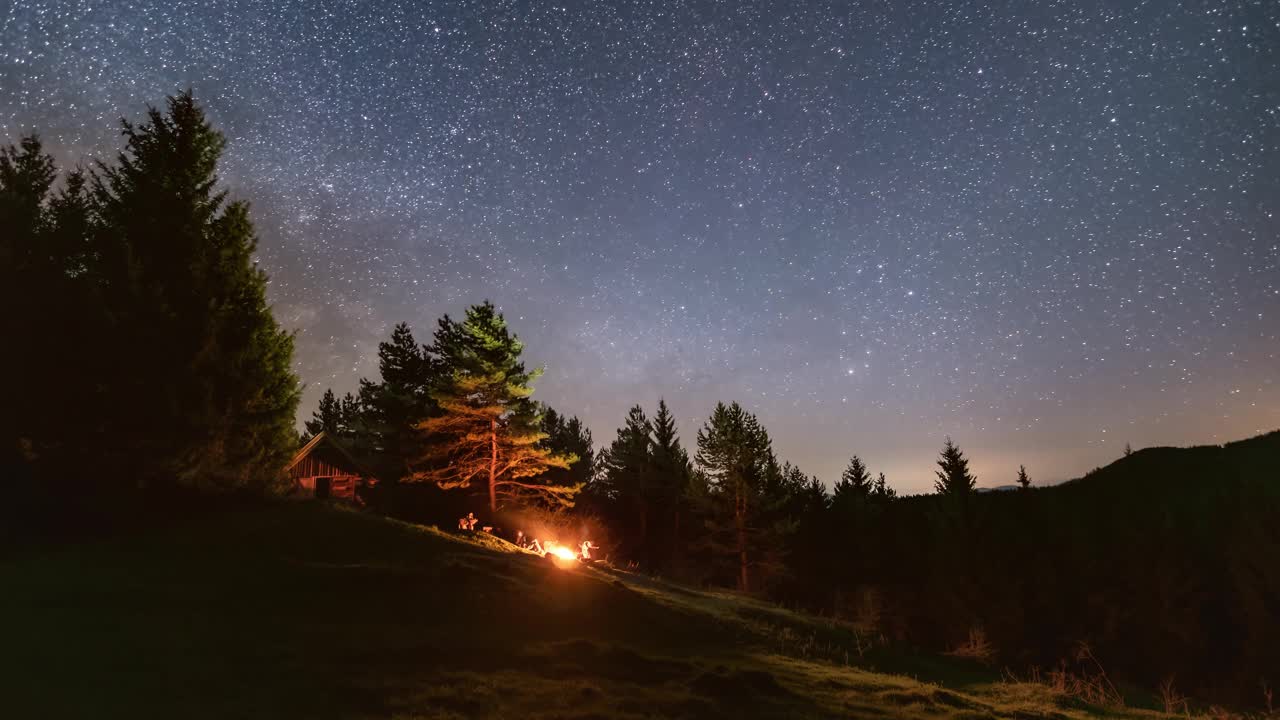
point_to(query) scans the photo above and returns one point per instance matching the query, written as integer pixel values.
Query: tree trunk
(743, 584)
(493, 467)
(676, 551)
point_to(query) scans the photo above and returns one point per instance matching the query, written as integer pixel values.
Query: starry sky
(1044, 229)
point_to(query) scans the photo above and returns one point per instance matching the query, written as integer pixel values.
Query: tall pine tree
(488, 428)
(199, 385)
(626, 475)
(671, 470)
(954, 478)
(391, 409)
(734, 452)
(26, 176)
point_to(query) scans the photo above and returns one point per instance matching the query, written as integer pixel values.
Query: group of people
(467, 523)
(524, 542)
(535, 546)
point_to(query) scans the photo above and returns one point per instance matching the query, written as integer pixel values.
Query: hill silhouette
(1165, 564)
(1235, 461)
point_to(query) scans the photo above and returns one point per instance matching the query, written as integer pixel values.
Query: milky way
(1045, 229)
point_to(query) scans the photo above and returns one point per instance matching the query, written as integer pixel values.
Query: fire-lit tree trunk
(493, 467)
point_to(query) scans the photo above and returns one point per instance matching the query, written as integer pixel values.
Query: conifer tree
(853, 488)
(882, 490)
(328, 417)
(350, 414)
(385, 417)
(954, 478)
(26, 176)
(199, 385)
(627, 476)
(1024, 481)
(734, 452)
(488, 429)
(568, 436)
(671, 472)
(671, 464)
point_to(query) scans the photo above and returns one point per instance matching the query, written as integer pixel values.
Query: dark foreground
(309, 612)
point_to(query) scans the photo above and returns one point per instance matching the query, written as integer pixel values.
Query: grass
(311, 612)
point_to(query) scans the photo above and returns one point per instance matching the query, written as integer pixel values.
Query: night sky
(1045, 229)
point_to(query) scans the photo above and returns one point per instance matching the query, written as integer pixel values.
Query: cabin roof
(323, 437)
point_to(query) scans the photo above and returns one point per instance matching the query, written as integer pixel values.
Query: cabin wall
(341, 487)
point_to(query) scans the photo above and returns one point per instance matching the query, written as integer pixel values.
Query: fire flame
(561, 554)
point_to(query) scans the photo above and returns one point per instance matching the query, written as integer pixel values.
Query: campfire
(561, 554)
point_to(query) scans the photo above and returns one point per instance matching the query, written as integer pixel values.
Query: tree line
(457, 414)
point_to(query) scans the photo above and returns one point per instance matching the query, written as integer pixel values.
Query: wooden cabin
(324, 469)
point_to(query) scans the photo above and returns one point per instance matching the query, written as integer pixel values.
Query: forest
(156, 367)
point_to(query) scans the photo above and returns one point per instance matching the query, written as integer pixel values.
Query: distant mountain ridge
(1234, 459)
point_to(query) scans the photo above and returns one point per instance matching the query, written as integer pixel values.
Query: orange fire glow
(561, 554)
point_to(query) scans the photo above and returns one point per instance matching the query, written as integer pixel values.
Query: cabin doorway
(323, 486)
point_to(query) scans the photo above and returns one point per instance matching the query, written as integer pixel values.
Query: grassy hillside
(310, 612)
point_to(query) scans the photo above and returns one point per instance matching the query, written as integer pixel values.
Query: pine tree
(671, 464)
(327, 417)
(488, 428)
(1023, 480)
(954, 478)
(386, 416)
(26, 176)
(199, 383)
(45, 247)
(568, 436)
(671, 472)
(69, 229)
(1127, 450)
(853, 487)
(349, 415)
(882, 490)
(735, 453)
(626, 479)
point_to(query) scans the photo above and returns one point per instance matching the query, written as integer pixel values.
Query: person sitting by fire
(535, 546)
(587, 547)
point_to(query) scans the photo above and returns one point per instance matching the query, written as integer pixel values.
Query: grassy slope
(303, 611)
